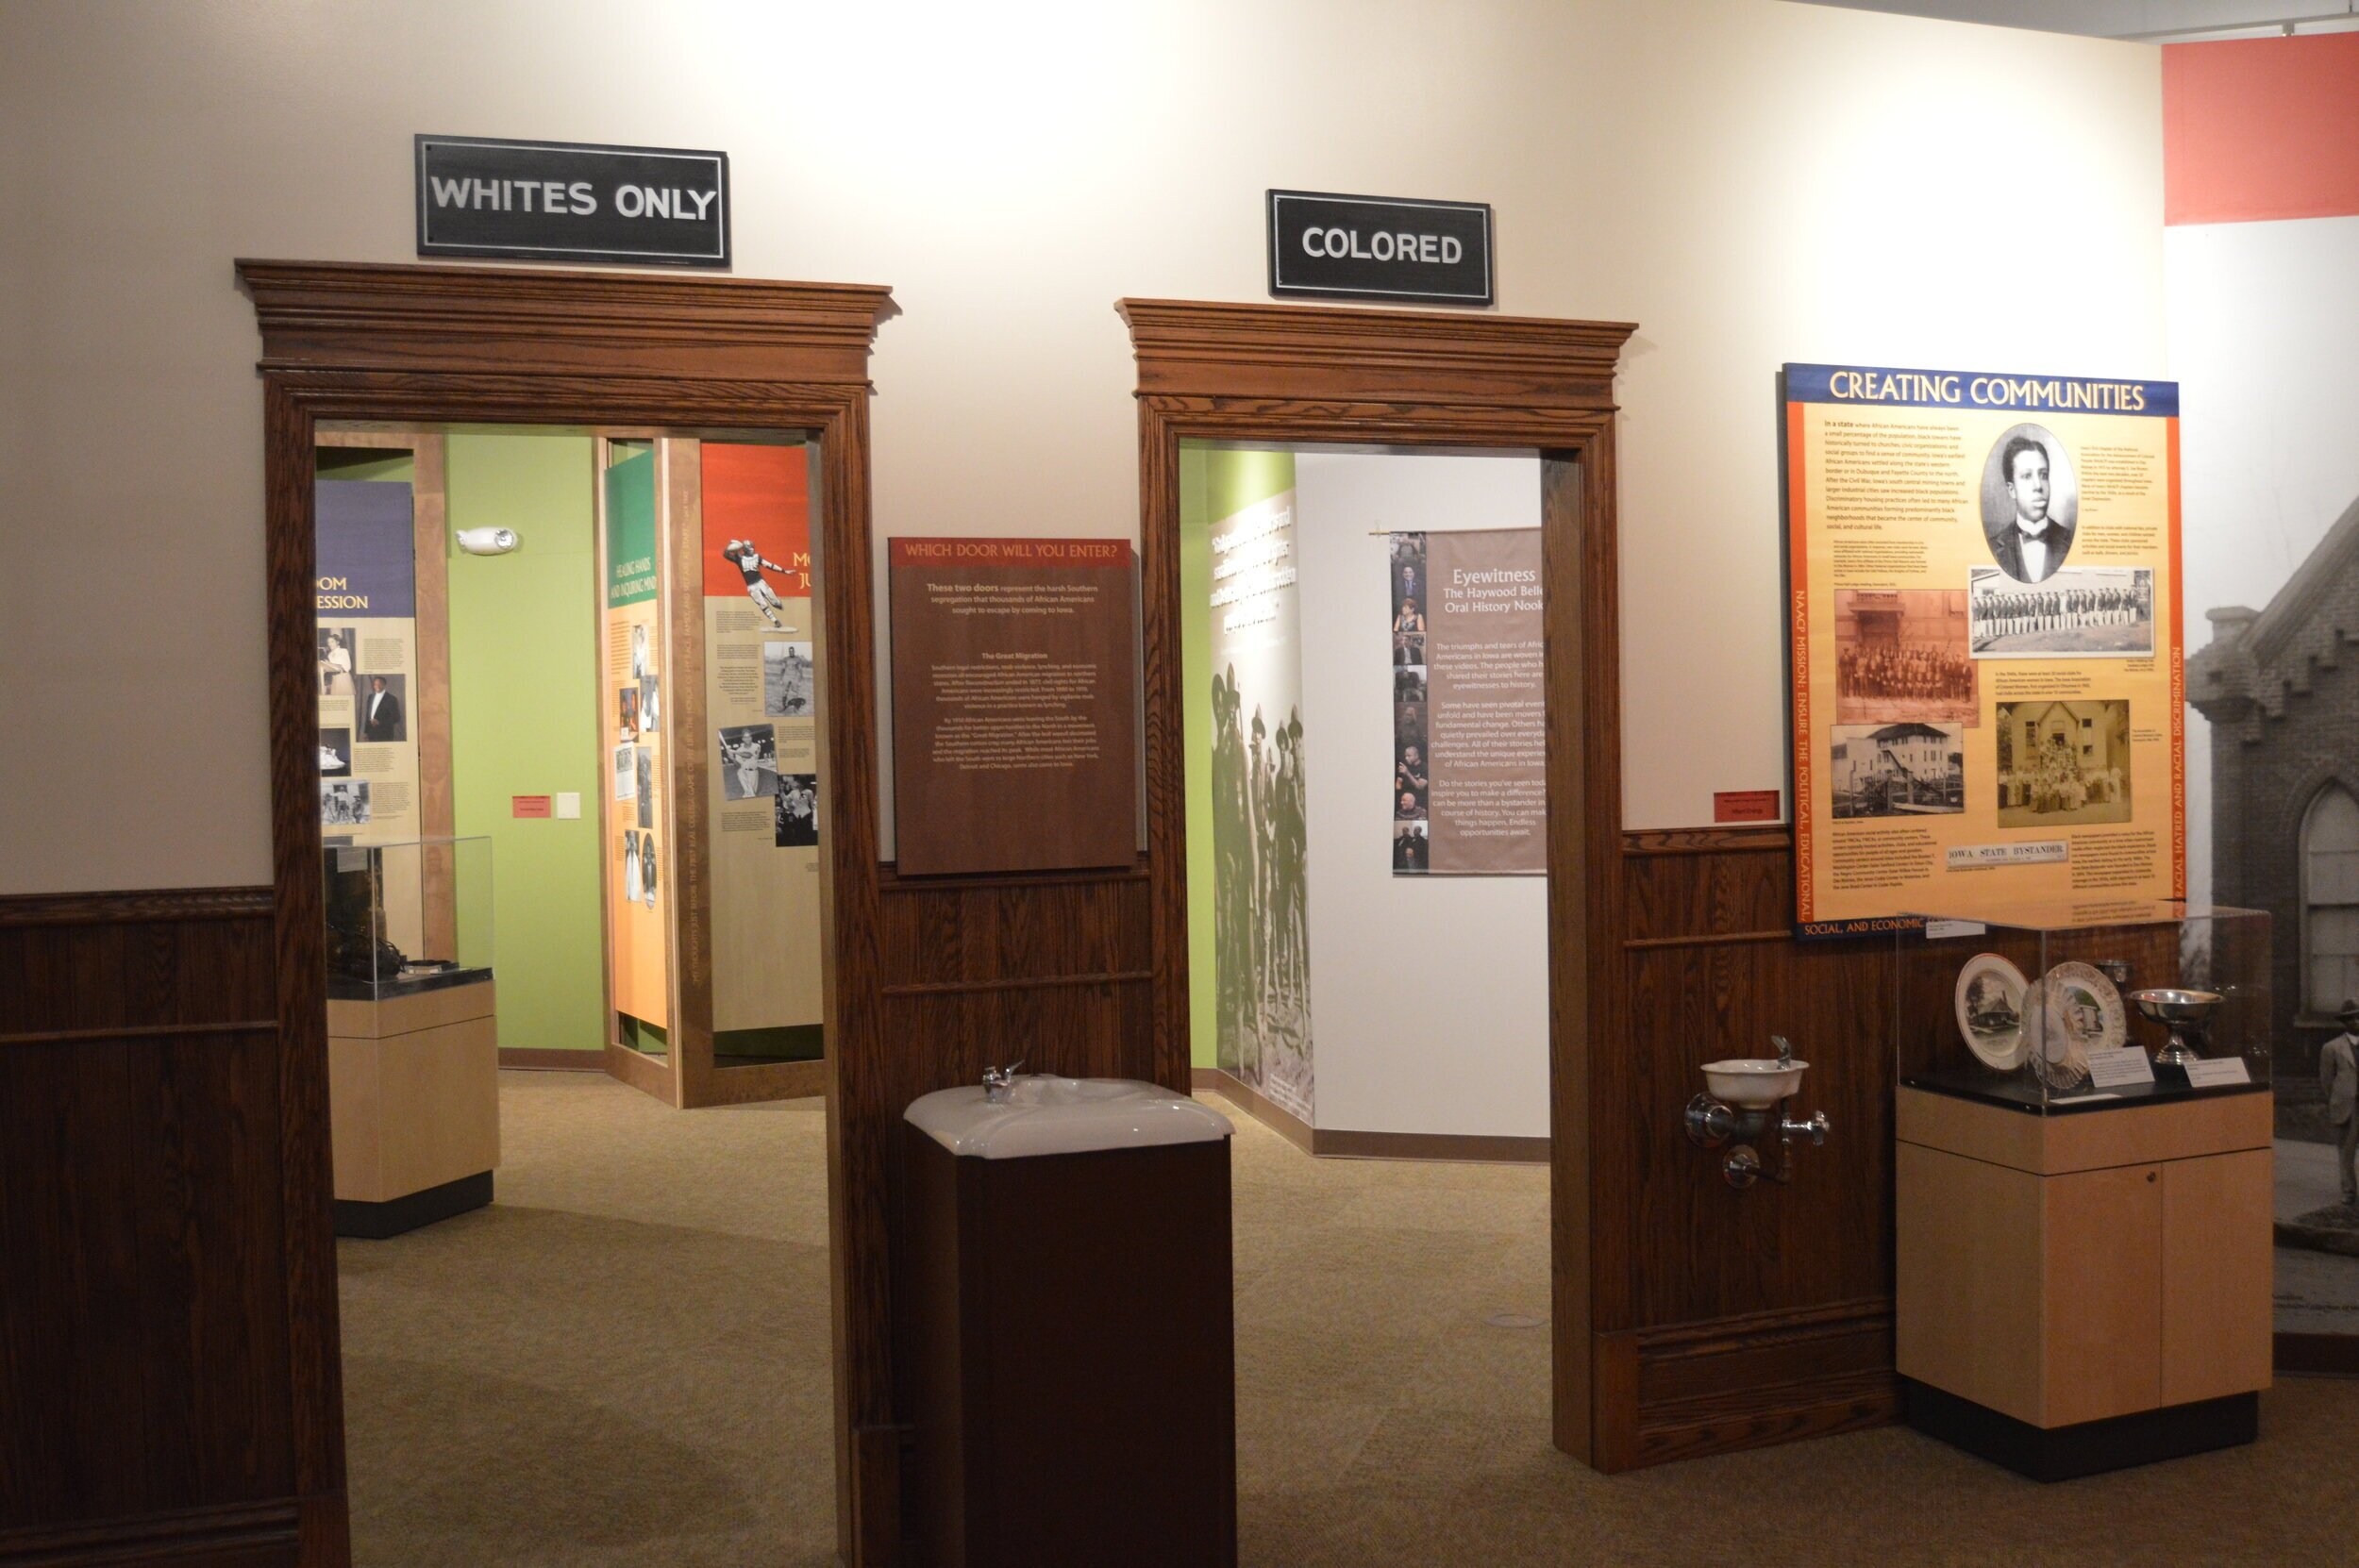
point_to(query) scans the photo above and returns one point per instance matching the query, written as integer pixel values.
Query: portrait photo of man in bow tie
(2030, 502)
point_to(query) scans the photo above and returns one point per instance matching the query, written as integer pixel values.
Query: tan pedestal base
(2062, 1270)
(413, 1093)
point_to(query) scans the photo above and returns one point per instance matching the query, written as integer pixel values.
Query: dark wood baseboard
(1333, 1143)
(533, 1058)
(2318, 1355)
(248, 1535)
(377, 1221)
(1683, 1391)
(2089, 1448)
(1464, 1148)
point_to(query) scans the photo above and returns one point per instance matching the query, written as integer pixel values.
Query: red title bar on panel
(1009, 552)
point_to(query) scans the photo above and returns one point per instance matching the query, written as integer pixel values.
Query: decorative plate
(1990, 1004)
(2077, 1011)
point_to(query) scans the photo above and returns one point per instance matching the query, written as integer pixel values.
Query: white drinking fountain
(1742, 1104)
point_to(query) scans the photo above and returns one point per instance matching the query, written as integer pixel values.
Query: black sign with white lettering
(565, 201)
(1368, 247)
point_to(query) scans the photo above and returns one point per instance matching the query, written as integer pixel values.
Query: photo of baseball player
(749, 761)
(742, 554)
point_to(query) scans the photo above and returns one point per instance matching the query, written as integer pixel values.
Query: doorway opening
(569, 803)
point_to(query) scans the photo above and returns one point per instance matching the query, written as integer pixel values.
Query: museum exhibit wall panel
(1257, 813)
(637, 840)
(1757, 182)
(1432, 993)
(524, 721)
(761, 713)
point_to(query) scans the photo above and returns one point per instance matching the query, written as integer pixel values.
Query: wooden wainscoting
(152, 1371)
(1730, 1319)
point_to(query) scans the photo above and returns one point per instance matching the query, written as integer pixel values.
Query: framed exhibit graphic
(1470, 789)
(1014, 704)
(1985, 635)
(709, 667)
(382, 652)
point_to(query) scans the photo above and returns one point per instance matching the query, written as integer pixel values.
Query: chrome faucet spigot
(1785, 1049)
(999, 1080)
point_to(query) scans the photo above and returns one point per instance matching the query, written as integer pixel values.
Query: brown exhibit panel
(1014, 705)
(2106, 1266)
(413, 1103)
(429, 344)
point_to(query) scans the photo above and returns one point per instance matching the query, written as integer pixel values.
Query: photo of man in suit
(2032, 543)
(380, 713)
(2338, 1076)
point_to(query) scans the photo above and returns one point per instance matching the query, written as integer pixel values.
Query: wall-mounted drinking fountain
(1745, 1101)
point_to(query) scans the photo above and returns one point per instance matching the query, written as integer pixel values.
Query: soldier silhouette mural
(1260, 899)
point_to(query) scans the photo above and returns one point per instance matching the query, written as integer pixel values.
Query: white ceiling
(2157, 20)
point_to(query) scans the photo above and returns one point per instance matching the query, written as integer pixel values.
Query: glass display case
(2085, 1008)
(407, 917)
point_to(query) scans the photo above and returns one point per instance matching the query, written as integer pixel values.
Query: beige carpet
(625, 1362)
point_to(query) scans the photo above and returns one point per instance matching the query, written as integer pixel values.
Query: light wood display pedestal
(2084, 1291)
(413, 1095)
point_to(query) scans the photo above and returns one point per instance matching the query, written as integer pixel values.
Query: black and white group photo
(2080, 610)
(795, 811)
(2030, 502)
(2063, 763)
(749, 761)
(1901, 654)
(786, 680)
(344, 803)
(1897, 770)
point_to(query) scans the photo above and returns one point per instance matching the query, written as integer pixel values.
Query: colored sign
(571, 201)
(1377, 247)
(1744, 805)
(1014, 704)
(528, 806)
(1984, 608)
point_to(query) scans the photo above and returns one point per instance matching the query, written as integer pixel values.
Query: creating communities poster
(1983, 615)
(1470, 703)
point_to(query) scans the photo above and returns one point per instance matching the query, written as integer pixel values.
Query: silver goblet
(2188, 1013)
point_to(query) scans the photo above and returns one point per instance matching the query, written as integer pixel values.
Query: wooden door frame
(435, 344)
(1265, 373)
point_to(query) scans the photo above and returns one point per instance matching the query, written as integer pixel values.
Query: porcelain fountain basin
(1046, 1114)
(1753, 1083)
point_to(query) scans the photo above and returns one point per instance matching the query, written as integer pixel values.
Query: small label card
(1936, 930)
(2118, 1069)
(2218, 1073)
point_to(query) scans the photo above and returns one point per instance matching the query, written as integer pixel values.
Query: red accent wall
(2261, 128)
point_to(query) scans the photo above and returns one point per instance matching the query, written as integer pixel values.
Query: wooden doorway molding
(1412, 379)
(438, 345)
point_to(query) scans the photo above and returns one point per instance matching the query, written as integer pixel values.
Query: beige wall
(1751, 181)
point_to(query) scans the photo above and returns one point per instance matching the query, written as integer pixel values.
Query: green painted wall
(1214, 481)
(524, 721)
